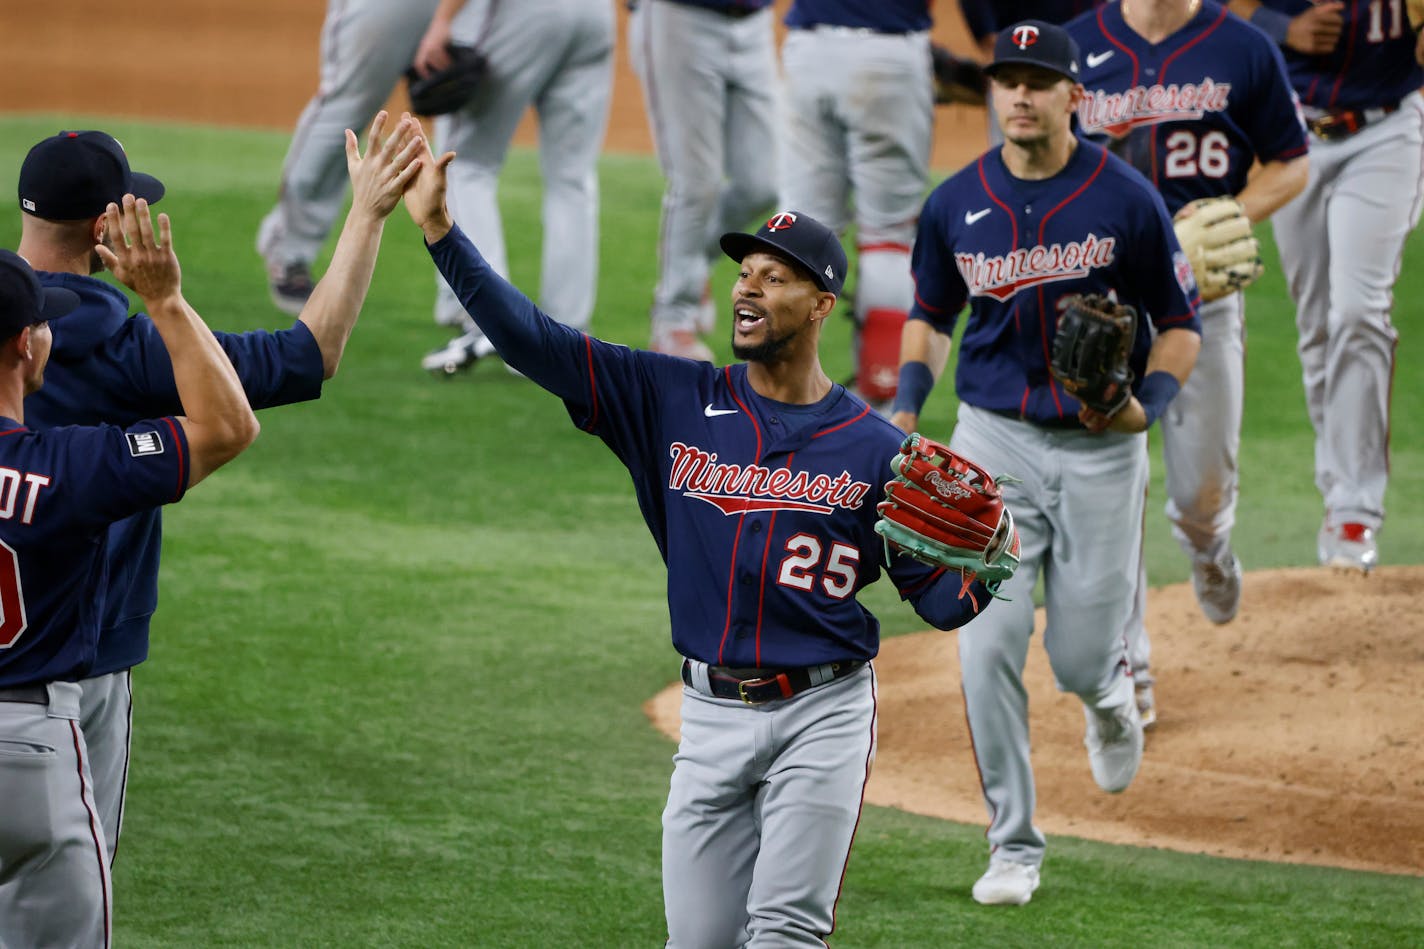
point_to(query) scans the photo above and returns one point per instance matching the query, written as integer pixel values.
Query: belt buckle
(784, 683)
(1334, 126)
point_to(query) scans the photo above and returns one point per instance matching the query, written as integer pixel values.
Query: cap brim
(147, 187)
(737, 245)
(994, 67)
(57, 302)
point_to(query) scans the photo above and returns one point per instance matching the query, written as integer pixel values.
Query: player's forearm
(1175, 352)
(1273, 185)
(336, 302)
(217, 418)
(548, 352)
(923, 354)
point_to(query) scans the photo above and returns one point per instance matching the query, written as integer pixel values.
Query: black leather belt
(31, 694)
(1342, 123)
(758, 686)
(733, 12)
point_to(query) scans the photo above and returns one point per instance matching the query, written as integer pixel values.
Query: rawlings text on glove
(1215, 234)
(1091, 350)
(946, 511)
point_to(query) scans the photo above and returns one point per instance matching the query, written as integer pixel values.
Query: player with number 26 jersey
(1194, 111)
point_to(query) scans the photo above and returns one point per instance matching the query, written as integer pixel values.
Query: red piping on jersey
(836, 428)
(884, 247)
(1136, 74)
(1042, 323)
(1166, 63)
(1013, 223)
(592, 388)
(741, 520)
(94, 833)
(1345, 66)
(1309, 96)
(923, 584)
(182, 458)
(922, 304)
(869, 759)
(13, 431)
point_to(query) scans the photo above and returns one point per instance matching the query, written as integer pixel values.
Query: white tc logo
(1025, 36)
(781, 221)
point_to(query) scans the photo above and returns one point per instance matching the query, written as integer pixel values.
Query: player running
(1342, 240)
(65, 488)
(759, 483)
(1017, 235)
(1193, 96)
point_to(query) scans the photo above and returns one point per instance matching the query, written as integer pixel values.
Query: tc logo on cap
(1025, 36)
(780, 222)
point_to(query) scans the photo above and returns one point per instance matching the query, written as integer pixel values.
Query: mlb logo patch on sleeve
(144, 443)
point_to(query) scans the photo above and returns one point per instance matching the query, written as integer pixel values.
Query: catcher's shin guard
(877, 371)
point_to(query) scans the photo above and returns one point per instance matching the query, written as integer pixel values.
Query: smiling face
(773, 302)
(1033, 104)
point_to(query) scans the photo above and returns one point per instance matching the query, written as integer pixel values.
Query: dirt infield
(1295, 734)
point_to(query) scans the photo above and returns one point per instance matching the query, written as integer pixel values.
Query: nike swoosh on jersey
(1097, 59)
(971, 216)
(713, 413)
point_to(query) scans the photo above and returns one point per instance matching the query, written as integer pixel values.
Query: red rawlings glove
(946, 511)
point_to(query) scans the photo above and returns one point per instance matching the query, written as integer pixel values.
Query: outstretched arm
(218, 422)
(377, 181)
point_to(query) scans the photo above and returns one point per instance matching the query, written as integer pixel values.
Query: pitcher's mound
(1295, 733)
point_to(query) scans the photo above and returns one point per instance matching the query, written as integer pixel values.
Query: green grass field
(395, 688)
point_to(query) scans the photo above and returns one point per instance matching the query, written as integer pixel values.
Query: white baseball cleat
(462, 352)
(1217, 584)
(1146, 703)
(1351, 546)
(1006, 883)
(1114, 742)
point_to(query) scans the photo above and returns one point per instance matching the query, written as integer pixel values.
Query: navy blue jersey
(882, 16)
(107, 367)
(987, 17)
(763, 512)
(1014, 249)
(1193, 112)
(1372, 66)
(59, 492)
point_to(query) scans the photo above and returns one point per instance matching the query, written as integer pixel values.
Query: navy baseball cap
(74, 175)
(1036, 43)
(23, 300)
(798, 237)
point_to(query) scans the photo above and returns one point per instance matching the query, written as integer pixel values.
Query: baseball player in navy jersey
(108, 367)
(710, 87)
(60, 491)
(365, 46)
(856, 146)
(556, 55)
(1192, 96)
(985, 18)
(1015, 235)
(759, 483)
(1341, 242)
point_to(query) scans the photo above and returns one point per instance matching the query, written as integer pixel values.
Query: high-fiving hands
(425, 197)
(142, 260)
(390, 164)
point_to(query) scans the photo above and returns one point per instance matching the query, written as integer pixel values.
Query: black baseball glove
(1091, 350)
(449, 88)
(957, 80)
